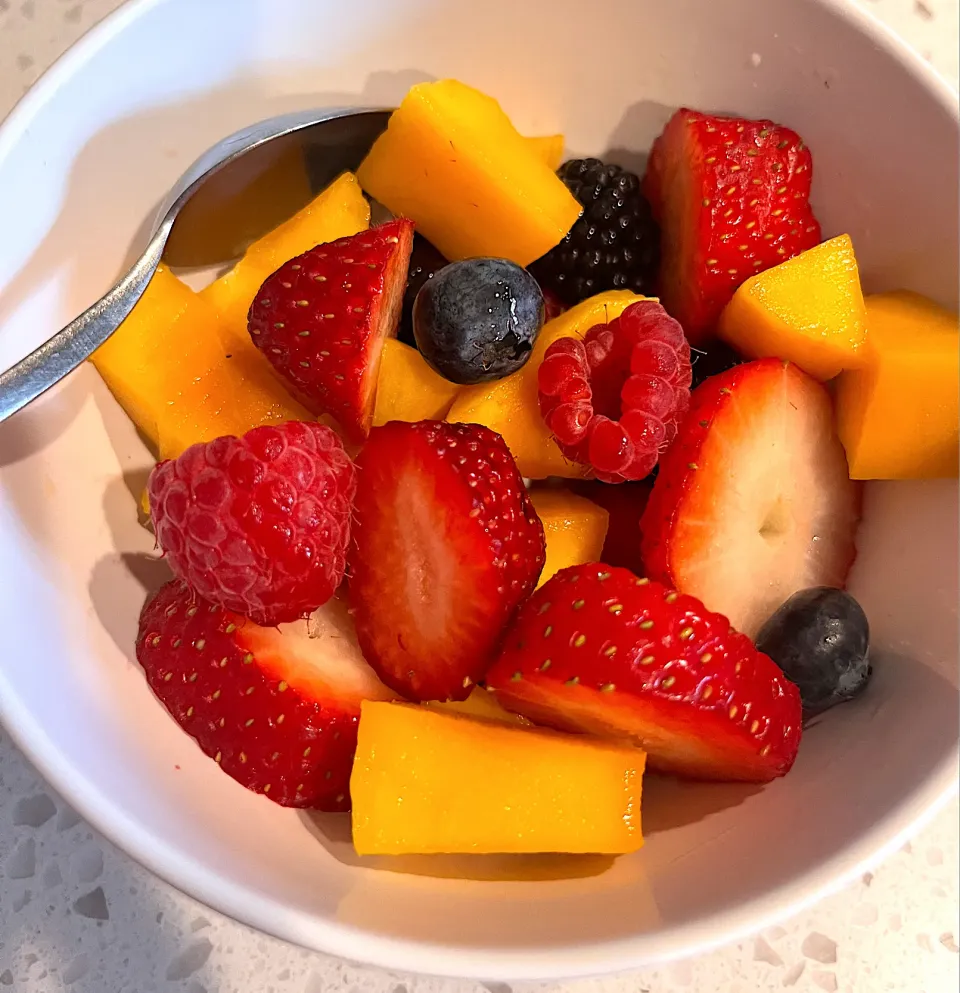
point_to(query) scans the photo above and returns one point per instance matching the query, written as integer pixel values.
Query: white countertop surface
(76, 914)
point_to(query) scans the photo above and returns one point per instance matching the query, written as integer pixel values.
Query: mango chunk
(549, 148)
(897, 416)
(172, 372)
(808, 310)
(575, 529)
(167, 325)
(451, 160)
(340, 210)
(427, 782)
(510, 407)
(408, 389)
(231, 397)
(170, 336)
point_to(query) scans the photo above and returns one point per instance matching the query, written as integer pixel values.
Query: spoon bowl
(232, 194)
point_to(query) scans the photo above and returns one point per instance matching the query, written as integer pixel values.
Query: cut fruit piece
(598, 651)
(171, 370)
(169, 331)
(753, 500)
(482, 704)
(231, 397)
(510, 406)
(427, 783)
(408, 389)
(732, 199)
(340, 210)
(574, 529)
(549, 148)
(808, 310)
(276, 708)
(446, 544)
(897, 416)
(321, 319)
(451, 160)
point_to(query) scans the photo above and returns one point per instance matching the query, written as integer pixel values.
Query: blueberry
(477, 320)
(425, 262)
(820, 638)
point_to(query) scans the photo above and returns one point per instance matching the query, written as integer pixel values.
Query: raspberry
(259, 524)
(613, 400)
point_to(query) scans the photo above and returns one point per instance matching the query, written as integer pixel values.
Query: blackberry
(614, 245)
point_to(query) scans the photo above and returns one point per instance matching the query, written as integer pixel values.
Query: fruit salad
(550, 481)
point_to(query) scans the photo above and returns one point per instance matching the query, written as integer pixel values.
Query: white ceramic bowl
(83, 161)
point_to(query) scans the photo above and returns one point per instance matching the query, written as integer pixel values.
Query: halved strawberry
(753, 501)
(276, 708)
(446, 544)
(732, 199)
(321, 319)
(599, 651)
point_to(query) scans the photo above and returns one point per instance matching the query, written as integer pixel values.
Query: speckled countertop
(77, 915)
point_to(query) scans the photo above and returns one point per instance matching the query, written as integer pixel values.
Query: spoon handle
(62, 353)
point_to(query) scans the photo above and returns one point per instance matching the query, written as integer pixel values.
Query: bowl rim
(695, 937)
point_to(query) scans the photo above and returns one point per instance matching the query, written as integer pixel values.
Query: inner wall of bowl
(168, 80)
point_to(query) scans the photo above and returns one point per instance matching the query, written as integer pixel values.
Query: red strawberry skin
(599, 651)
(753, 501)
(732, 199)
(258, 524)
(321, 319)
(446, 544)
(279, 721)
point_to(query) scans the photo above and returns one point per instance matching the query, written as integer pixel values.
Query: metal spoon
(236, 191)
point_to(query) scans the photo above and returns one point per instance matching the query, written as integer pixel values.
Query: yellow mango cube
(451, 160)
(897, 416)
(808, 310)
(510, 406)
(171, 369)
(170, 332)
(340, 210)
(575, 529)
(408, 389)
(549, 148)
(231, 397)
(427, 782)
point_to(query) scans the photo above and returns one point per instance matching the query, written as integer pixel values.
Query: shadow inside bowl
(117, 602)
(670, 803)
(641, 119)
